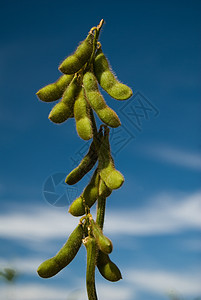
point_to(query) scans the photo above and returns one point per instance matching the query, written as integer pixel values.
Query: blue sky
(154, 219)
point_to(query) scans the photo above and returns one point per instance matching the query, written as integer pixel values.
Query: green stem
(96, 35)
(100, 214)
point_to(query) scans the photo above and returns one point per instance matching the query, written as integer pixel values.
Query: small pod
(66, 254)
(97, 102)
(107, 268)
(91, 248)
(88, 197)
(64, 109)
(76, 61)
(82, 117)
(86, 163)
(54, 91)
(112, 178)
(103, 242)
(107, 80)
(104, 191)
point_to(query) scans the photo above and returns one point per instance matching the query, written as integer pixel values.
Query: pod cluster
(78, 88)
(79, 97)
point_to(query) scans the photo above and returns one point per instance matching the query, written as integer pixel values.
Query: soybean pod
(112, 178)
(107, 80)
(103, 242)
(77, 60)
(54, 91)
(66, 254)
(91, 248)
(82, 117)
(64, 109)
(107, 268)
(104, 190)
(97, 102)
(86, 163)
(87, 198)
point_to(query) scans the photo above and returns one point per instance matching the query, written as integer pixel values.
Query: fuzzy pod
(107, 268)
(65, 255)
(86, 163)
(54, 91)
(64, 109)
(87, 198)
(91, 248)
(112, 178)
(77, 60)
(107, 80)
(82, 117)
(97, 102)
(103, 242)
(104, 190)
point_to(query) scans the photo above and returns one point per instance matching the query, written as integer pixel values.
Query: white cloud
(164, 282)
(47, 292)
(37, 223)
(175, 156)
(34, 292)
(166, 214)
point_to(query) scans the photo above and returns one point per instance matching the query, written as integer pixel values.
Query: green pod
(65, 255)
(54, 91)
(91, 248)
(107, 268)
(104, 191)
(103, 242)
(64, 109)
(86, 163)
(107, 80)
(112, 178)
(88, 197)
(97, 102)
(82, 117)
(77, 60)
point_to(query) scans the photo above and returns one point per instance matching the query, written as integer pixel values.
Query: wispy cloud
(178, 157)
(34, 292)
(47, 292)
(166, 214)
(164, 282)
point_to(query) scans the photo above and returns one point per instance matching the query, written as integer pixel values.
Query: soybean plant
(80, 98)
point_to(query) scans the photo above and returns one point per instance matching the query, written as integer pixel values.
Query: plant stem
(100, 214)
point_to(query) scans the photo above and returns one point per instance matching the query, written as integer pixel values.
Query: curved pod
(107, 80)
(107, 268)
(76, 61)
(54, 91)
(65, 255)
(88, 197)
(64, 109)
(82, 117)
(112, 178)
(97, 102)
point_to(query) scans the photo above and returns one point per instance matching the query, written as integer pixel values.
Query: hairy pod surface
(65, 255)
(82, 117)
(104, 190)
(107, 80)
(91, 248)
(103, 242)
(64, 109)
(97, 102)
(88, 197)
(112, 178)
(107, 268)
(76, 61)
(54, 91)
(86, 163)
